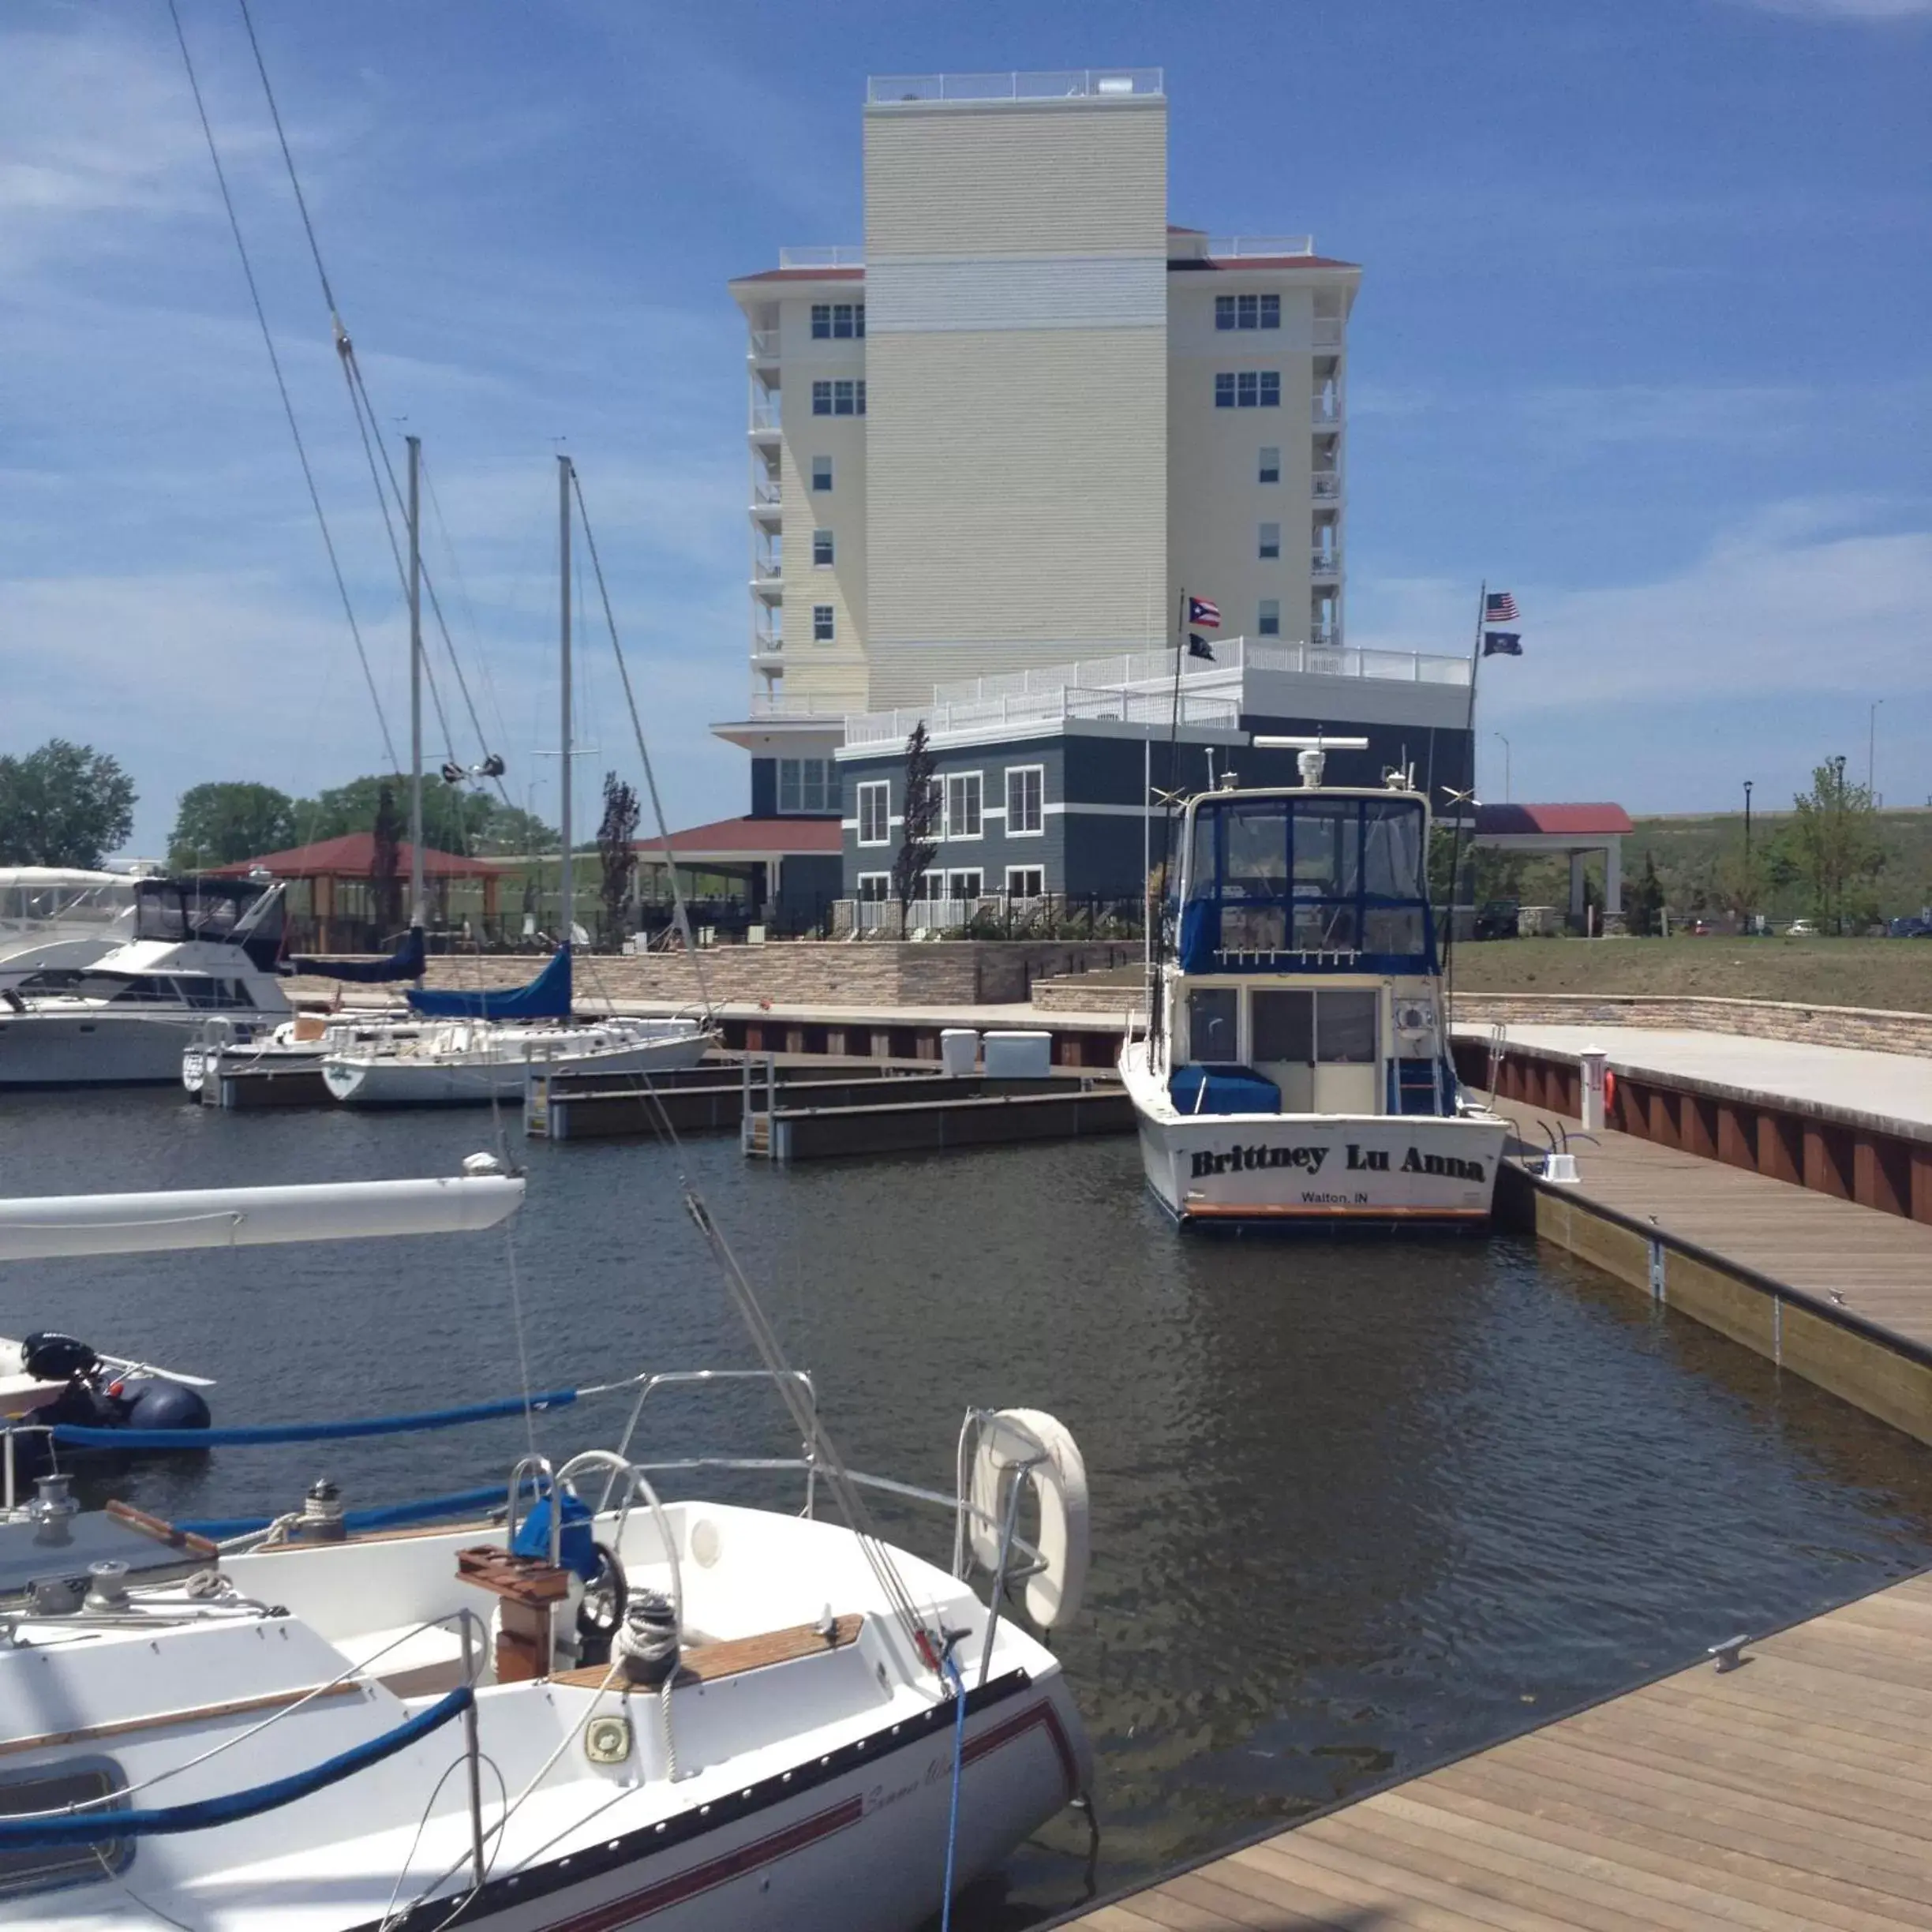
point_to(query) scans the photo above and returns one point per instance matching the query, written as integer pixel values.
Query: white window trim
(883, 785)
(1013, 830)
(831, 636)
(813, 486)
(947, 833)
(827, 561)
(1014, 892)
(961, 872)
(885, 879)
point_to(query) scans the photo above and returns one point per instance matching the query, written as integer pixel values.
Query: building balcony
(1326, 485)
(1325, 566)
(768, 651)
(767, 504)
(768, 579)
(767, 419)
(1325, 410)
(1061, 84)
(1327, 332)
(1325, 637)
(761, 347)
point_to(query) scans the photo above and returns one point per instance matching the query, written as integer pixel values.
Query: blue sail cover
(547, 997)
(405, 963)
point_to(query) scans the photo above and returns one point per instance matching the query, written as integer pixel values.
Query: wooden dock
(1790, 1794)
(1839, 1294)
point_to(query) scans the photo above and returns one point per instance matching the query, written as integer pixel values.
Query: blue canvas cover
(1215, 1089)
(547, 997)
(405, 963)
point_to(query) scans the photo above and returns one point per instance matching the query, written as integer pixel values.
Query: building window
(1270, 471)
(1247, 312)
(963, 800)
(874, 888)
(821, 398)
(848, 321)
(1224, 392)
(1250, 311)
(875, 812)
(1270, 388)
(821, 548)
(821, 473)
(1026, 882)
(861, 388)
(822, 321)
(1271, 540)
(842, 398)
(1248, 388)
(1224, 312)
(965, 885)
(808, 785)
(1267, 621)
(931, 886)
(1026, 786)
(822, 630)
(1271, 312)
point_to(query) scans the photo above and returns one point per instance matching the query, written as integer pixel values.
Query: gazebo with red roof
(781, 868)
(1575, 831)
(340, 907)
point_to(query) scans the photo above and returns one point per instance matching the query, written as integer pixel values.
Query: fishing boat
(55, 922)
(202, 949)
(495, 1038)
(1296, 1068)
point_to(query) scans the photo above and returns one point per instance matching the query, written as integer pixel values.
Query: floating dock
(707, 1098)
(1785, 1791)
(936, 1115)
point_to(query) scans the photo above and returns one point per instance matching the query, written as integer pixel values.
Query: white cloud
(1859, 10)
(1792, 603)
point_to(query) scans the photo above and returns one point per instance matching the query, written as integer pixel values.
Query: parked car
(1801, 929)
(1908, 929)
(1496, 918)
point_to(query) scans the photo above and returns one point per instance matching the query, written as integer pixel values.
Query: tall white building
(1009, 431)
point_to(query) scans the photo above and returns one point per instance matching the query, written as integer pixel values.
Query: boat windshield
(1304, 883)
(35, 901)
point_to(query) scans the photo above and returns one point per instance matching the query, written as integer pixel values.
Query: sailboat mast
(415, 617)
(563, 666)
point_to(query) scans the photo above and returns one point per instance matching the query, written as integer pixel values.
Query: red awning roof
(1235, 262)
(1554, 820)
(353, 856)
(757, 838)
(804, 275)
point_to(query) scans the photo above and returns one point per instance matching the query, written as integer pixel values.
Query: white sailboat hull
(1402, 1170)
(497, 1072)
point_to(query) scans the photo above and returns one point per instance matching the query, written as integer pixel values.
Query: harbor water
(1357, 1506)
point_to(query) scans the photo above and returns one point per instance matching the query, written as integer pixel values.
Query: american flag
(1499, 607)
(1201, 611)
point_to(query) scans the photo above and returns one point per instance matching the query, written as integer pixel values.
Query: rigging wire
(274, 362)
(352, 371)
(468, 609)
(680, 911)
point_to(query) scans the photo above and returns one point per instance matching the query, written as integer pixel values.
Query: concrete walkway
(1884, 1088)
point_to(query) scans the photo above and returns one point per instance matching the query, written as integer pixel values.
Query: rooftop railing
(842, 255)
(942, 721)
(1068, 83)
(1233, 248)
(776, 705)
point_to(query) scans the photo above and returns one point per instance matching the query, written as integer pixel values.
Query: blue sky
(1642, 336)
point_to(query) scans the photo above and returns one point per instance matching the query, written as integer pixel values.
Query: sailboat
(488, 1042)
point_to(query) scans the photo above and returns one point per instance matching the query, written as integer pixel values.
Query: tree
(455, 818)
(63, 805)
(918, 847)
(1742, 881)
(1835, 846)
(385, 861)
(617, 850)
(1643, 904)
(217, 824)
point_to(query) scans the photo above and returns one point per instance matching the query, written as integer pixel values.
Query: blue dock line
(91, 1827)
(78, 1437)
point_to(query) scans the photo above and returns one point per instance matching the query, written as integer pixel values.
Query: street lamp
(1871, 748)
(1747, 792)
(1506, 766)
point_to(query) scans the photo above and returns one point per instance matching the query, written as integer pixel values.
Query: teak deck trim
(157, 1721)
(708, 1662)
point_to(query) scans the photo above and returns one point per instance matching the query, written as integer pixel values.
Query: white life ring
(1008, 1442)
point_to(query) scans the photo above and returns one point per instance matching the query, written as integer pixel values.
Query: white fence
(1063, 84)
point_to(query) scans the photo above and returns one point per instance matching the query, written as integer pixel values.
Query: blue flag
(1501, 644)
(1198, 646)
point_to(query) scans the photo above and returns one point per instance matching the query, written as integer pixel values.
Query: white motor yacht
(201, 948)
(55, 920)
(1296, 1067)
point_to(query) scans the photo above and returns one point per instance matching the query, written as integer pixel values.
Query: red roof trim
(1237, 262)
(353, 856)
(1554, 820)
(804, 275)
(782, 837)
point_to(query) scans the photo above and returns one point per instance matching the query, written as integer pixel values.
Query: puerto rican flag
(1201, 611)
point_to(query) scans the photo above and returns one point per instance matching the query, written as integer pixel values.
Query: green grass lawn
(1894, 974)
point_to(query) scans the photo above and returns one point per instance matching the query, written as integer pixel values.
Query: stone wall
(797, 973)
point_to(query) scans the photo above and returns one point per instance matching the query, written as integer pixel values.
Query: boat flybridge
(1296, 1067)
(201, 948)
(55, 920)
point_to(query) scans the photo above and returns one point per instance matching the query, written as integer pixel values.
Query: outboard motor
(91, 1399)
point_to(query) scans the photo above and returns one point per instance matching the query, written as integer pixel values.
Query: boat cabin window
(1319, 882)
(50, 1788)
(128, 988)
(1306, 1028)
(1213, 1024)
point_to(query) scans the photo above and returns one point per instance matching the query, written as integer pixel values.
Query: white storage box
(959, 1049)
(1019, 1056)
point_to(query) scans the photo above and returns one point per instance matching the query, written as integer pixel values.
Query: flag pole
(1469, 803)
